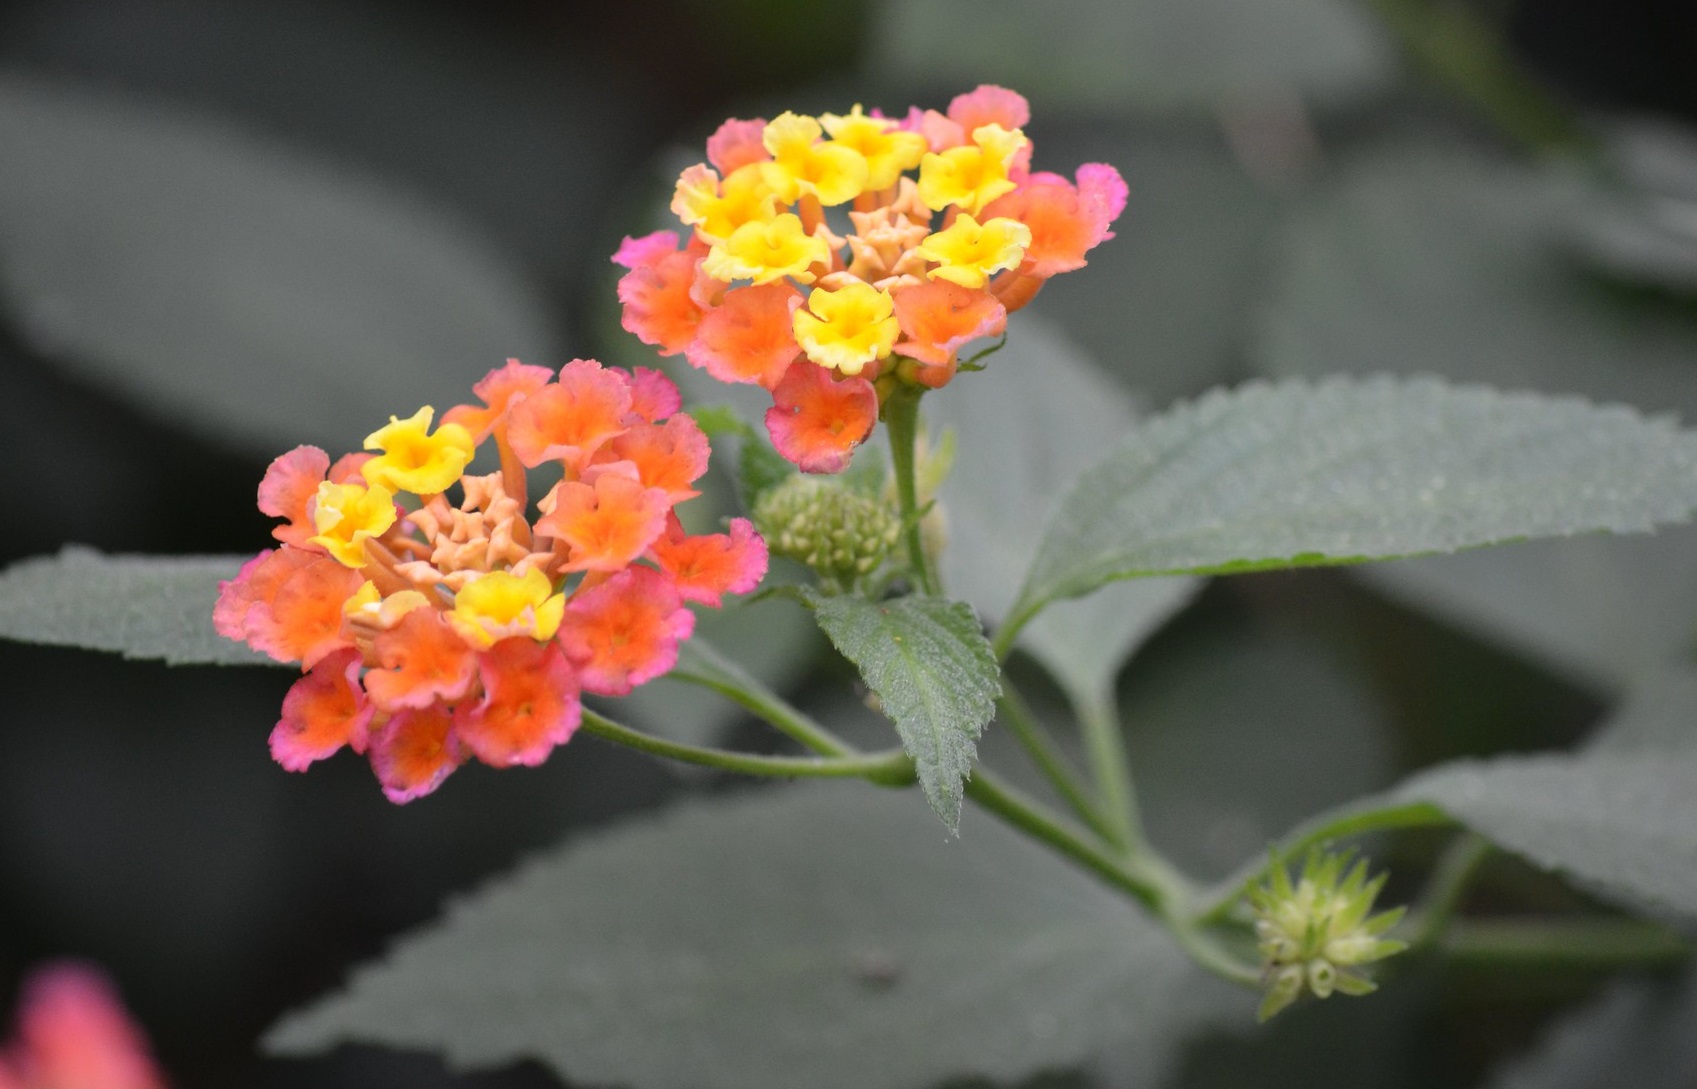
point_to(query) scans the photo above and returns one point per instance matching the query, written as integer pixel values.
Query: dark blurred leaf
(1148, 55)
(1240, 731)
(1430, 261)
(1638, 1034)
(1346, 471)
(1037, 417)
(934, 673)
(1643, 229)
(141, 606)
(823, 936)
(238, 285)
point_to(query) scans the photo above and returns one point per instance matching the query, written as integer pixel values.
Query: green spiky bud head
(841, 533)
(1316, 935)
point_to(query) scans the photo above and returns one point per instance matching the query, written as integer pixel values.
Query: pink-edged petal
(414, 751)
(323, 711)
(706, 567)
(816, 421)
(74, 1033)
(738, 143)
(625, 631)
(988, 104)
(648, 250)
(287, 490)
(530, 704)
(653, 396)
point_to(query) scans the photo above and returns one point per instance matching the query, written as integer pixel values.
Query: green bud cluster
(841, 533)
(1315, 936)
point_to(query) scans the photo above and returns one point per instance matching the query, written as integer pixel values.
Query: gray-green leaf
(812, 936)
(216, 277)
(1144, 54)
(140, 606)
(1345, 471)
(933, 671)
(1638, 1034)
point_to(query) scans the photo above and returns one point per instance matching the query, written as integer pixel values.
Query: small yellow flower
(971, 177)
(347, 515)
(968, 252)
(802, 166)
(500, 605)
(716, 209)
(887, 149)
(769, 251)
(372, 608)
(847, 328)
(414, 460)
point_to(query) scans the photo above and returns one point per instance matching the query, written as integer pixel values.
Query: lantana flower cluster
(945, 230)
(434, 628)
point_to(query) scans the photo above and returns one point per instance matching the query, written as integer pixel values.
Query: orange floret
(499, 390)
(817, 421)
(423, 660)
(323, 711)
(530, 704)
(748, 337)
(659, 307)
(938, 317)
(670, 456)
(653, 396)
(287, 491)
(570, 419)
(705, 568)
(607, 524)
(737, 144)
(414, 751)
(625, 631)
(287, 604)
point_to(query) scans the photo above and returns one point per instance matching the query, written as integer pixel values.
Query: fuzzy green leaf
(140, 606)
(1344, 471)
(1637, 1034)
(933, 671)
(816, 936)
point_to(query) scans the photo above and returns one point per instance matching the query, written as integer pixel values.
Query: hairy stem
(901, 417)
(1105, 744)
(1445, 888)
(891, 768)
(1016, 715)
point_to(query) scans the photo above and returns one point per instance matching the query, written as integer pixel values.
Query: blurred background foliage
(229, 227)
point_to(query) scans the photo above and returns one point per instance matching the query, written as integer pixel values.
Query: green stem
(705, 668)
(893, 767)
(1016, 715)
(1446, 886)
(1461, 52)
(1151, 888)
(1105, 743)
(1220, 901)
(1569, 943)
(1002, 642)
(901, 417)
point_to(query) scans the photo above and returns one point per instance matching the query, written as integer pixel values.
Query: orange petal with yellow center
(530, 704)
(704, 568)
(658, 307)
(414, 751)
(423, 660)
(749, 337)
(669, 456)
(287, 604)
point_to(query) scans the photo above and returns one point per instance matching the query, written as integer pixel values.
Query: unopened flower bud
(1317, 934)
(839, 532)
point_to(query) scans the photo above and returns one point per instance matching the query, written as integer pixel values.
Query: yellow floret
(971, 177)
(967, 252)
(887, 150)
(347, 515)
(717, 209)
(764, 252)
(847, 328)
(373, 608)
(414, 460)
(801, 166)
(500, 605)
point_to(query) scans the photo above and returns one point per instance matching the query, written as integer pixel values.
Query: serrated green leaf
(240, 286)
(1152, 55)
(932, 669)
(1638, 1034)
(812, 936)
(1344, 471)
(140, 606)
(1424, 260)
(1028, 426)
